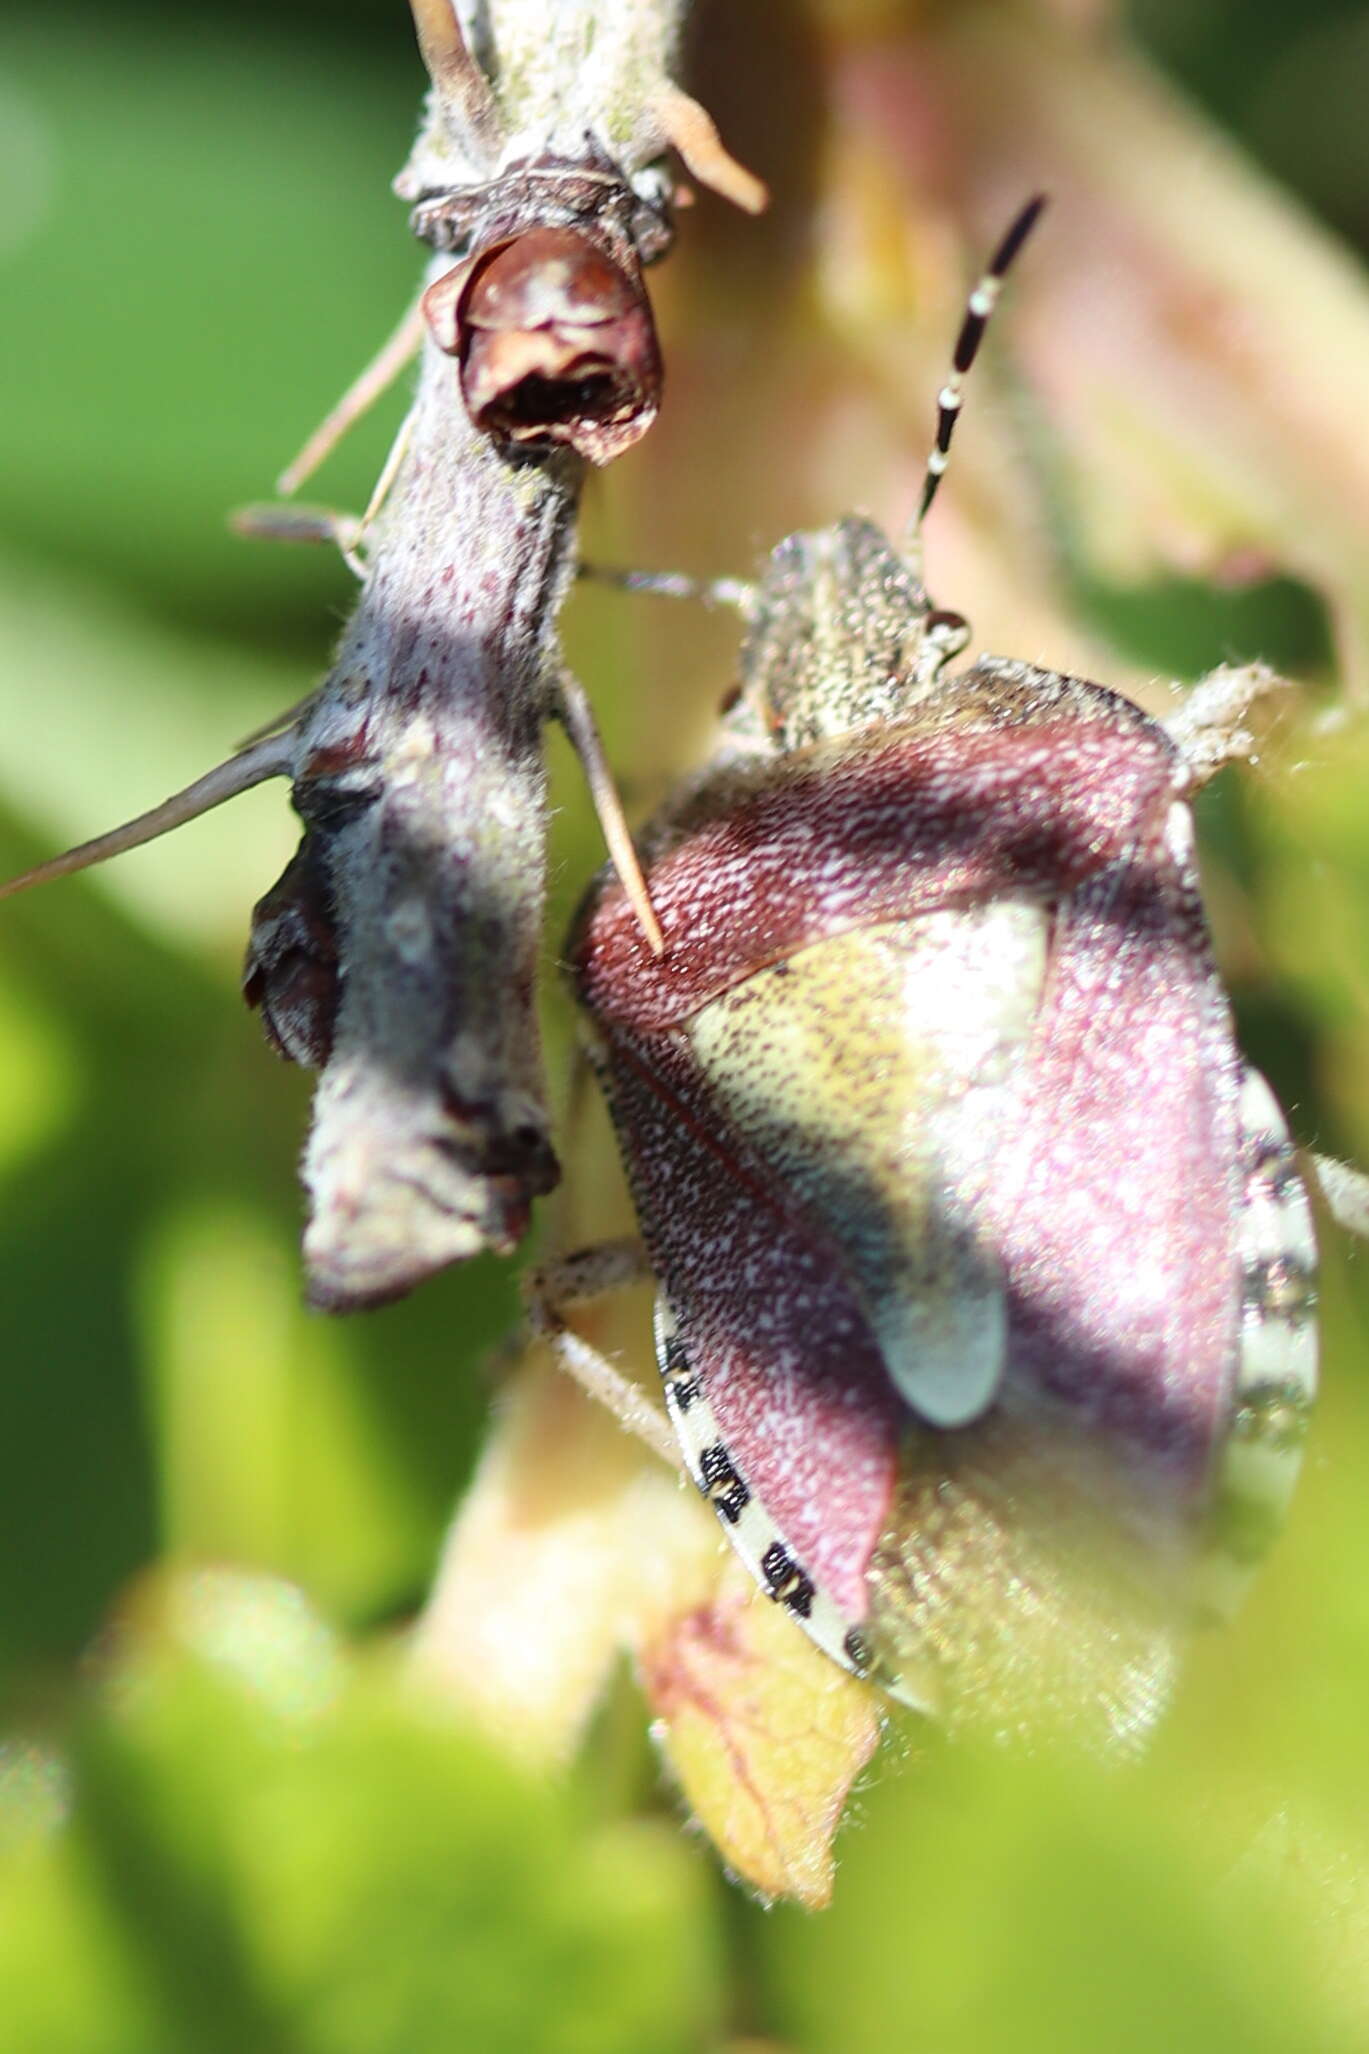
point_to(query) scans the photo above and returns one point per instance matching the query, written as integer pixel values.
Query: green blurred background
(198, 248)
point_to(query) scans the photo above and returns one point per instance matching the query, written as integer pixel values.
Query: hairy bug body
(985, 1275)
(985, 1271)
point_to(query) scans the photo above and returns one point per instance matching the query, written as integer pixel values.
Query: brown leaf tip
(291, 974)
(555, 341)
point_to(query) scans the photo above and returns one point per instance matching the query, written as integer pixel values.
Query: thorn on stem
(692, 131)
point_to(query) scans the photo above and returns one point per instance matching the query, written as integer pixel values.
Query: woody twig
(397, 952)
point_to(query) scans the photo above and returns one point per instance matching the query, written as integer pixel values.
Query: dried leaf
(764, 1733)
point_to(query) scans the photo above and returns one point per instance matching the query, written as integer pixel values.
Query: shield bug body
(984, 1308)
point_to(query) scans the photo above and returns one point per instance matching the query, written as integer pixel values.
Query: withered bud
(555, 342)
(291, 971)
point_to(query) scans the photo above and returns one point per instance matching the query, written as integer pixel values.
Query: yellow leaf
(764, 1733)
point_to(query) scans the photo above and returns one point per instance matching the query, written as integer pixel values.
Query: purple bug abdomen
(947, 1203)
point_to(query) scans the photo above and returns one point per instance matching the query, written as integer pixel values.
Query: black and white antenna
(978, 309)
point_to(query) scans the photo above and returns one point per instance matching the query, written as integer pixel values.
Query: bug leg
(1212, 727)
(389, 470)
(1345, 1191)
(361, 395)
(602, 1381)
(277, 522)
(588, 1273)
(577, 717)
(735, 592)
(576, 1279)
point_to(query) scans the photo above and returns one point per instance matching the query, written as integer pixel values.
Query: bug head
(837, 633)
(843, 634)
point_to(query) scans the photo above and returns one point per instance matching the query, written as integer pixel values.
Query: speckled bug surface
(985, 1275)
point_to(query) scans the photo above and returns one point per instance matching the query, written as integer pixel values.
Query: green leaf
(269, 1847)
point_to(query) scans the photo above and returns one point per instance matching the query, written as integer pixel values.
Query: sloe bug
(985, 1274)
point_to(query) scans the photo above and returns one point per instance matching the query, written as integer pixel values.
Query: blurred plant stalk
(1196, 347)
